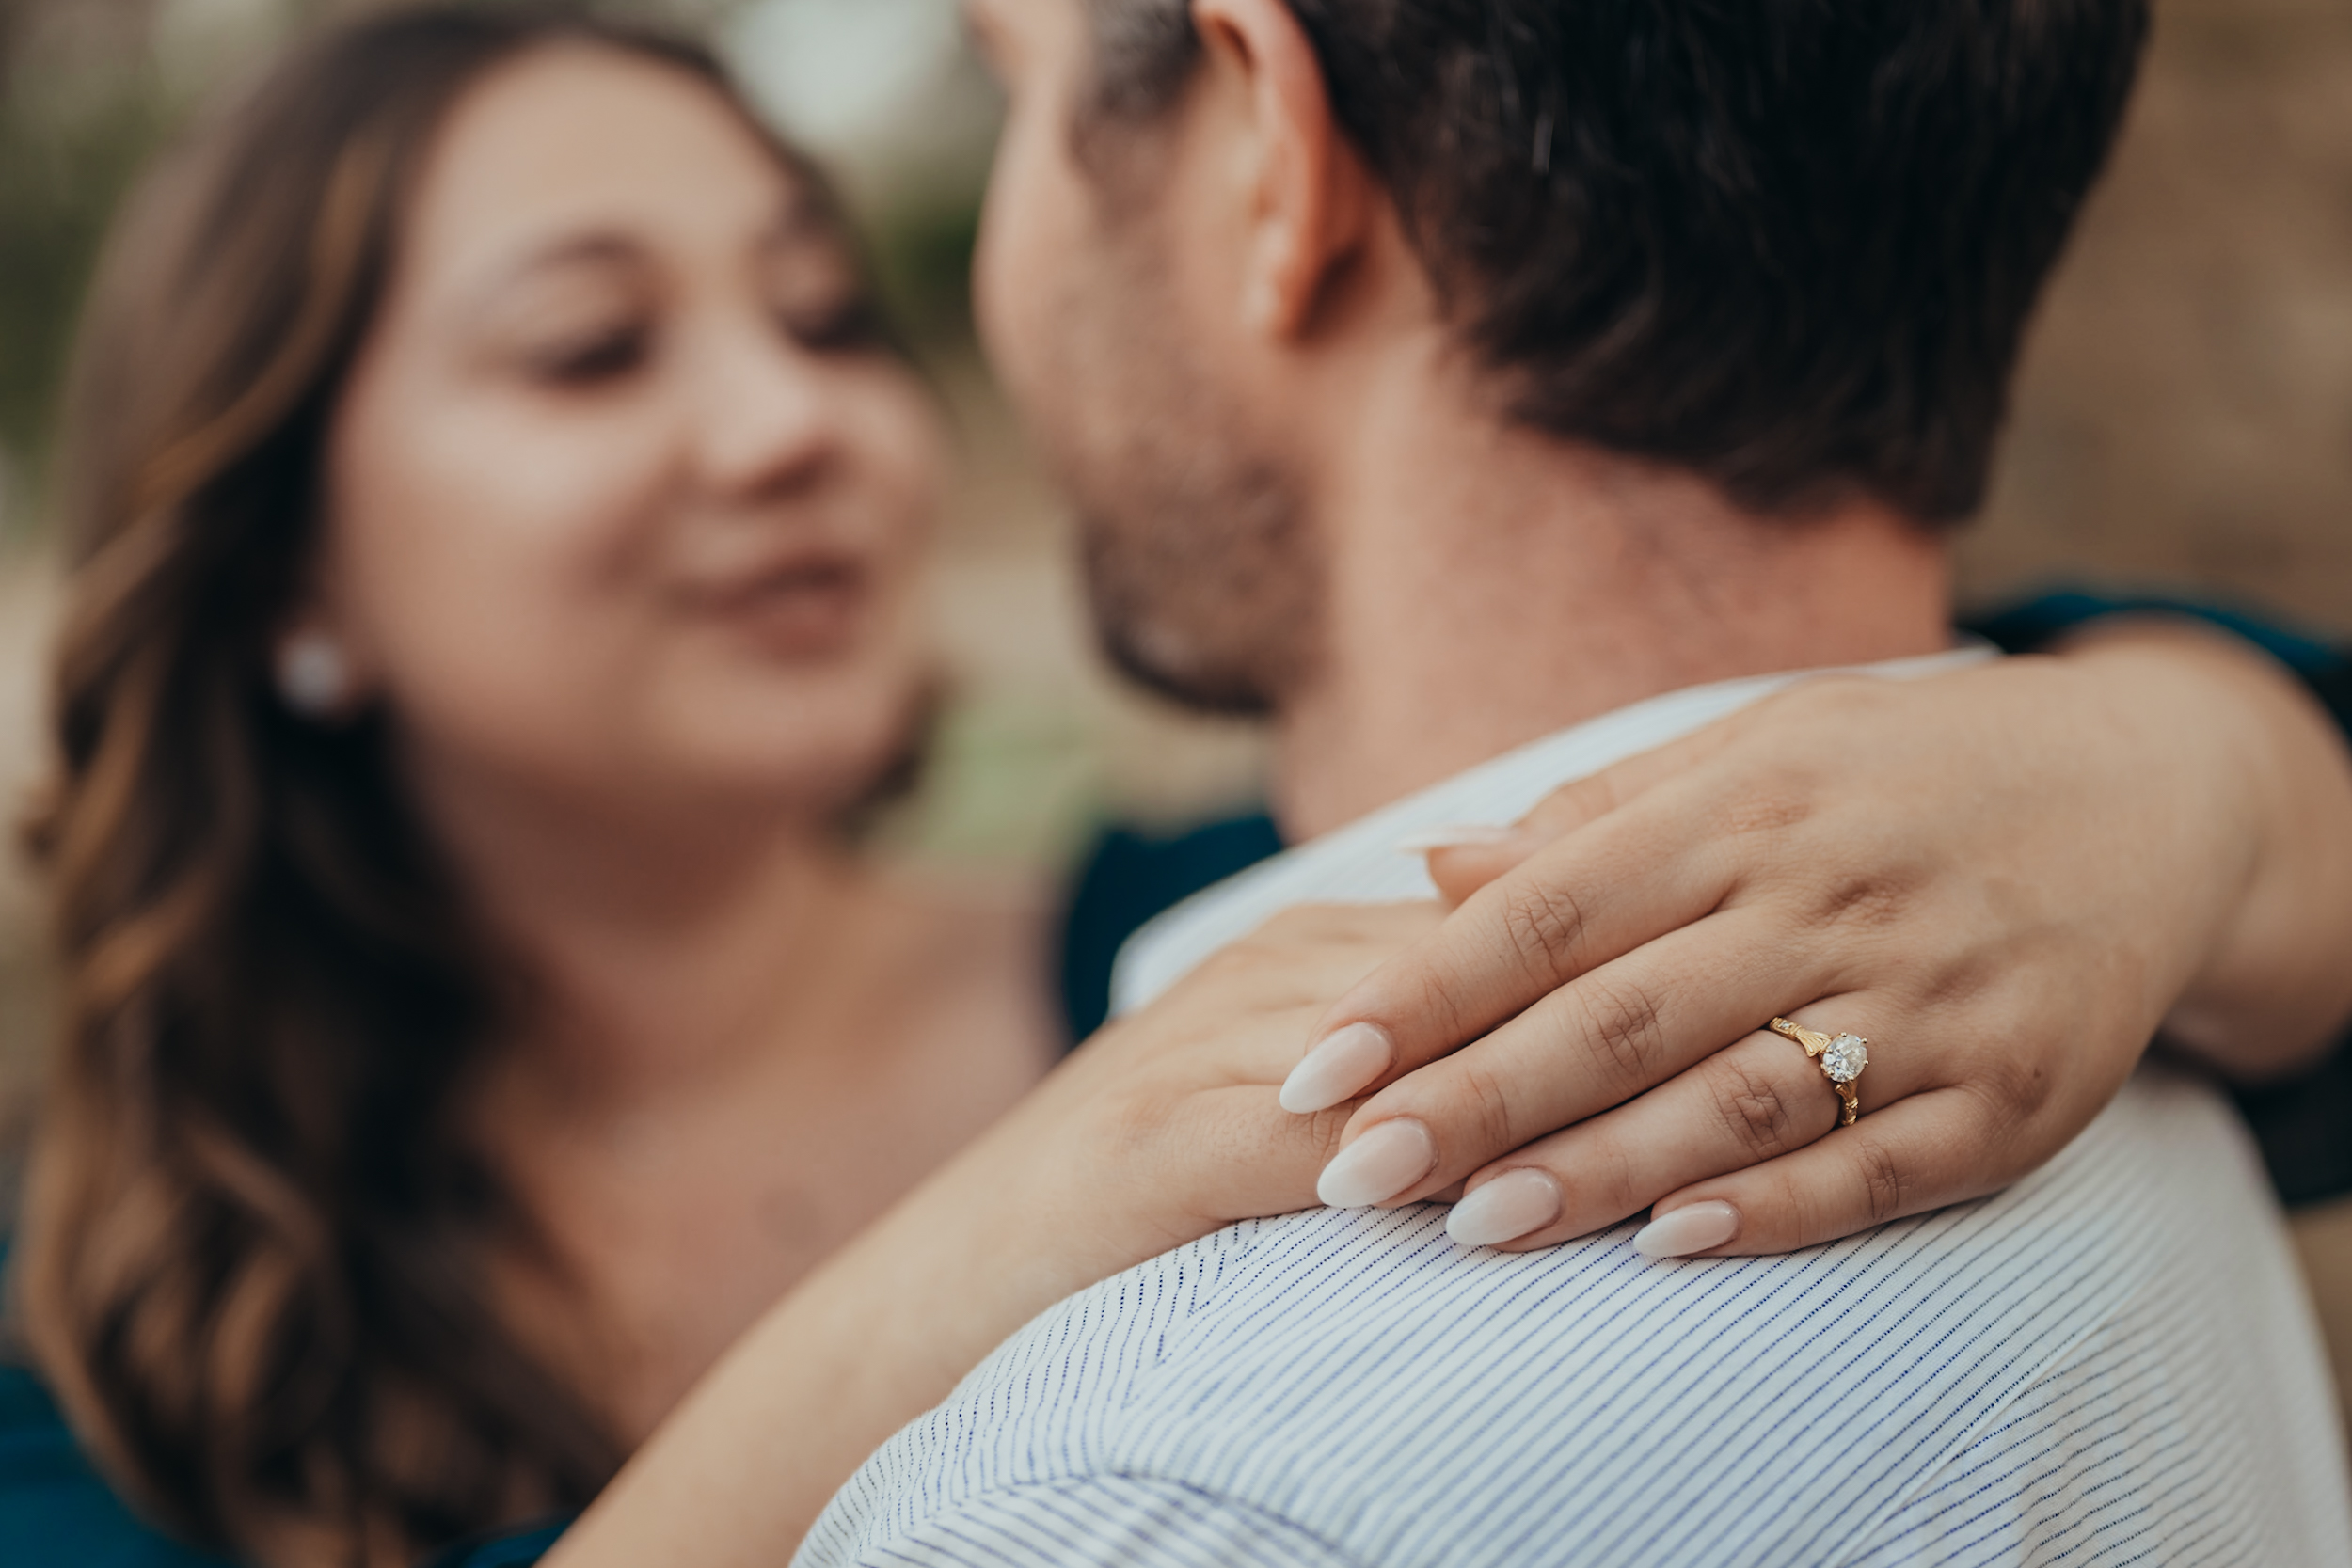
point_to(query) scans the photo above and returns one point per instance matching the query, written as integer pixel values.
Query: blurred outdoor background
(2185, 420)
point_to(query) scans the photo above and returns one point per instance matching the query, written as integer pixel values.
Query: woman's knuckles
(1882, 1177)
(1621, 1029)
(2013, 1085)
(1482, 1123)
(1763, 1111)
(1543, 928)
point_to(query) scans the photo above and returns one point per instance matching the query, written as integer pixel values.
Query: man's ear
(1311, 195)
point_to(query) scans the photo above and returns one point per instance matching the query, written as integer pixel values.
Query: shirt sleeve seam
(1140, 1480)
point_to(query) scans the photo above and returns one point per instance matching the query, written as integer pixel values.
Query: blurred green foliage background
(78, 119)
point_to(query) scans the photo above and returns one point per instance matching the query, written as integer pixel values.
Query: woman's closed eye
(849, 324)
(813, 290)
(589, 357)
(584, 314)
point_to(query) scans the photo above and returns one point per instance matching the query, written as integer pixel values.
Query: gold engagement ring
(1842, 1058)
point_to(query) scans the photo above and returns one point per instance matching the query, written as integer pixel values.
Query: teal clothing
(57, 1511)
(56, 1508)
(519, 1550)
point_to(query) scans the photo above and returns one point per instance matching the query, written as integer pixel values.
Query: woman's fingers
(1182, 1099)
(1754, 1101)
(1611, 1035)
(1251, 1157)
(1938, 1147)
(1461, 867)
(1741, 1107)
(1310, 955)
(1237, 1019)
(1589, 898)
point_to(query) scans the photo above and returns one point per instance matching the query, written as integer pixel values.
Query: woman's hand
(1163, 1128)
(2006, 878)
(1169, 1121)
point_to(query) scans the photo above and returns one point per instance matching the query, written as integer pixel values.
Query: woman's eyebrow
(800, 217)
(595, 250)
(598, 246)
(804, 226)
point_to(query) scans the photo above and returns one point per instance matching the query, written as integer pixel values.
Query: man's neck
(1490, 585)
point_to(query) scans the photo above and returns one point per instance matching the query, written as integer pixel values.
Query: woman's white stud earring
(313, 674)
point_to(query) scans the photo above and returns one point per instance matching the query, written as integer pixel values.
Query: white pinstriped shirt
(2112, 1362)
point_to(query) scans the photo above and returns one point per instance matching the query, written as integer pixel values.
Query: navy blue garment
(1132, 876)
(2304, 1124)
(515, 1550)
(56, 1508)
(2031, 626)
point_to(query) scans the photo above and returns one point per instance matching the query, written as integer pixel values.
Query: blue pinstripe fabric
(2110, 1363)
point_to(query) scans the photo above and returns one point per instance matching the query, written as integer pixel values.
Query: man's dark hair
(1791, 244)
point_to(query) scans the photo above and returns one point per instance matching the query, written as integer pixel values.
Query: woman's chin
(818, 773)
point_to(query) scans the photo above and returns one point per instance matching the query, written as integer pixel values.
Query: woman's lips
(809, 608)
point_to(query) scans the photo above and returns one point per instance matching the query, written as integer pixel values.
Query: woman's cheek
(508, 593)
(900, 467)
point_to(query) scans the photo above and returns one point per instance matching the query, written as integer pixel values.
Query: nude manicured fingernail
(1379, 1166)
(1693, 1228)
(1344, 1064)
(1459, 836)
(1505, 1208)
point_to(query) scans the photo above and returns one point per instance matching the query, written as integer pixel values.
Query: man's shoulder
(1358, 1379)
(1130, 1379)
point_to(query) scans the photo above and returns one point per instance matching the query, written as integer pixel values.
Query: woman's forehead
(576, 145)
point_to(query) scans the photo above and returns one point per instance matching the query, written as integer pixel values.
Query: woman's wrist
(2267, 786)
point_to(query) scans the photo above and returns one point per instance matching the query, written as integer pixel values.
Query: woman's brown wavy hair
(251, 1261)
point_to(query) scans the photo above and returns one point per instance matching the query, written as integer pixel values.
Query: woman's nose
(765, 423)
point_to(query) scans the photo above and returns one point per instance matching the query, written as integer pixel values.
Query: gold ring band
(1841, 1057)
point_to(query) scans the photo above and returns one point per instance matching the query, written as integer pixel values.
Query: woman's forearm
(1164, 1128)
(789, 1412)
(880, 1333)
(2275, 988)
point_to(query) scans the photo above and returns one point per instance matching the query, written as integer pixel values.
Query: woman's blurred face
(624, 499)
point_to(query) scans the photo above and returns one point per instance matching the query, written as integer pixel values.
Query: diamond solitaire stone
(1847, 1056)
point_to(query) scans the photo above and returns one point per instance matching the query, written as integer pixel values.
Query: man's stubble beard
(1204, 577)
